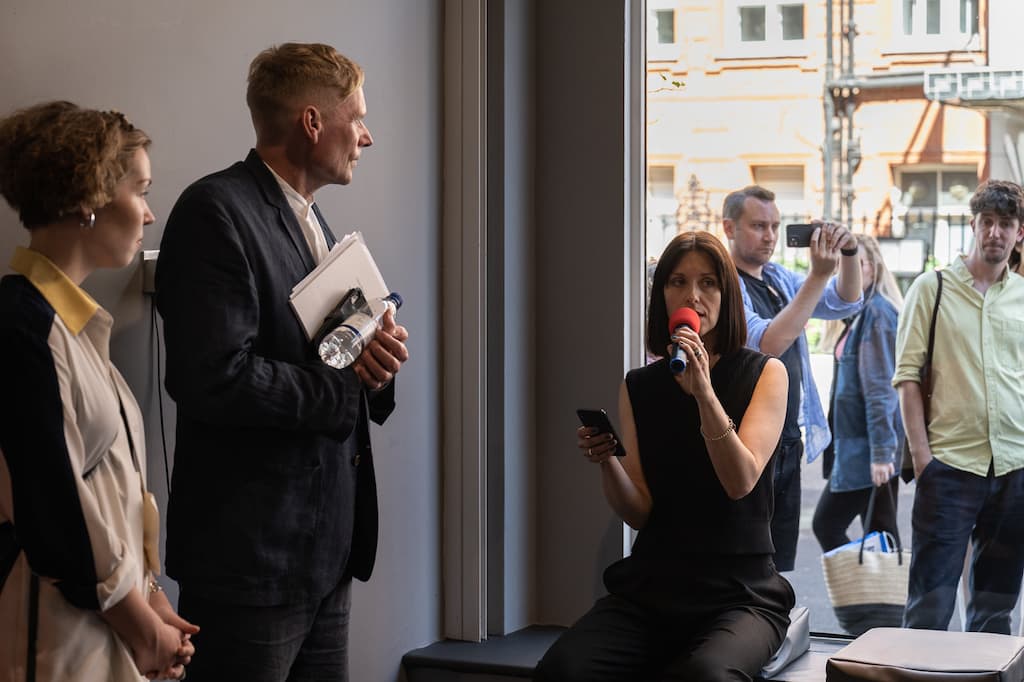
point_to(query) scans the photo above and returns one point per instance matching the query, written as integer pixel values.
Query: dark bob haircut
(730, 334)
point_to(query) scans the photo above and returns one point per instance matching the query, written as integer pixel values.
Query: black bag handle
(867, 524)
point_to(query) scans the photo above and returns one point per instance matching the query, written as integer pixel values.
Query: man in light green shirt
(969, 456)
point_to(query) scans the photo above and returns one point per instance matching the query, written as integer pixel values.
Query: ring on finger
(590, 452)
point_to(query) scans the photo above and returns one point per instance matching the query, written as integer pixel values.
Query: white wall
(177, 70)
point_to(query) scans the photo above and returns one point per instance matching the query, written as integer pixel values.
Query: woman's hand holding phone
(597, 437)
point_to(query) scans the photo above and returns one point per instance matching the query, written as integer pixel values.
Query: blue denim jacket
(830, 306)
(866, 422)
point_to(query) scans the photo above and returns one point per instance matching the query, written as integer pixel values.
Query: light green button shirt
(977, 407)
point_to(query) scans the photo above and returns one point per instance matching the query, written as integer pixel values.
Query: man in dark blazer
(273, 506)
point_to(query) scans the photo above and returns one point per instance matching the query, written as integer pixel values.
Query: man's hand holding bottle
(377, 365)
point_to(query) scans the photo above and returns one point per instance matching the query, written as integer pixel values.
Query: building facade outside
(882, 114)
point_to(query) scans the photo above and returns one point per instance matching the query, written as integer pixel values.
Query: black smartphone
(799, 234)
(599, 419)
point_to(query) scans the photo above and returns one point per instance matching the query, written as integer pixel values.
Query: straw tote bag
(868, 589)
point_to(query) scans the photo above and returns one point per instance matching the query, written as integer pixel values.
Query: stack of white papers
(349, 264)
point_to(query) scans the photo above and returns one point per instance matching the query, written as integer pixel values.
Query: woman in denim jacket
(867, 432)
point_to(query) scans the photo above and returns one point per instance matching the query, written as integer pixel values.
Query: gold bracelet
(154, 586)
(728, 429)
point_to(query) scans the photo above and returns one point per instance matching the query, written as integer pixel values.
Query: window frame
(773, 45)
(948, 39)
(938, 169)
(950, 232)
(657, 51)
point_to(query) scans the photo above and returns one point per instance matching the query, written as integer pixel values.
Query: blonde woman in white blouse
(78, 529)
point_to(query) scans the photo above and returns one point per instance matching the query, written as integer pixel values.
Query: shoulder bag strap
(925, 375)
(935, 314)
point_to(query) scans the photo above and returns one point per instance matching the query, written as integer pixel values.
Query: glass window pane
(957, 189)
(792, 22)
(752, 24)
(908, 17)
(666, 26)
(919, 190)
(968, 17)
(934, 17)
(661, 180)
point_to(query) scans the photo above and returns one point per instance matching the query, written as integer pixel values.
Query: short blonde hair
(57, 159)
(285, 77)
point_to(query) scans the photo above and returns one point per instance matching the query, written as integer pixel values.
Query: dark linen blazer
(273, 496)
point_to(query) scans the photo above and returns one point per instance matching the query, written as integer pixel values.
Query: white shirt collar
(312, 230)
(295, 200)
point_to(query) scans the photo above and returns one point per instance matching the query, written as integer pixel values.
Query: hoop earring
(88, 223)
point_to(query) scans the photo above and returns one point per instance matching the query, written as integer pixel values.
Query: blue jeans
(786, 514)
(952, 507)
(293, 642)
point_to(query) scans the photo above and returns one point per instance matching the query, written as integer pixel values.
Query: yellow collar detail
(69, 300)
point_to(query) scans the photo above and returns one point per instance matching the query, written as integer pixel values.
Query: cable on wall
(155, 329)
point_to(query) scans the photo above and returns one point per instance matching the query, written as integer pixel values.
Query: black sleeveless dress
(700, 553)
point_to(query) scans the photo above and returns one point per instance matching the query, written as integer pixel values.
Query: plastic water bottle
(342, 346)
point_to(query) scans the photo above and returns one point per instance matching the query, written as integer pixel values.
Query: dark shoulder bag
(907, 467)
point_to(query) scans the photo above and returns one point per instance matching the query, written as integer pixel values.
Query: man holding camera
(778, 302)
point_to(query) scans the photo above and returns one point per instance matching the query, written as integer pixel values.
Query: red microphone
(683, 317)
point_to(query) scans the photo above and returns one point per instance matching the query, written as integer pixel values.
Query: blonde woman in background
(78, 529)
(867, 432)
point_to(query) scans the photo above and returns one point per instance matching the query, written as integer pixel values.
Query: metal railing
(913, 242)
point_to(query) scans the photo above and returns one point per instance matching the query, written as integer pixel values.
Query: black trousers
(294, 642)
(835, 512)
(621, 640)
